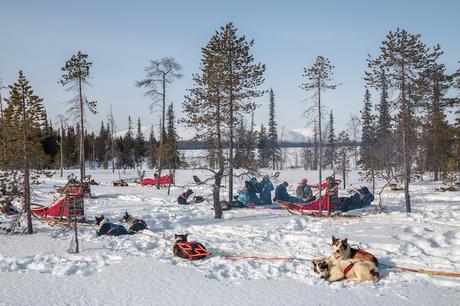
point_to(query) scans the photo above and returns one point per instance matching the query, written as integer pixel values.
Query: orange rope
(266, 258)
(429, 272)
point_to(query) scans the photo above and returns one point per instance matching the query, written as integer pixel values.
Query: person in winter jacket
(253, 188)
(281, 194)
(243, 196)
(303, 191)
(266, 188)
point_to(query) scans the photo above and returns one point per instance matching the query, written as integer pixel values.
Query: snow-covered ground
(140, 269)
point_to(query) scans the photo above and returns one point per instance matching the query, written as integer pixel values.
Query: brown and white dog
(333, 269)
(341, 249)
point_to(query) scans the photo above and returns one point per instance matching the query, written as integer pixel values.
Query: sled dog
(334, 269)
(134, 224)
(110, 229)
(342, 249)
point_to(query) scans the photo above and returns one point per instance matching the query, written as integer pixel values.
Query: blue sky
(122, 36)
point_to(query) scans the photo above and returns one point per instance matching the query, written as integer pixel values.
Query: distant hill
(187, 133)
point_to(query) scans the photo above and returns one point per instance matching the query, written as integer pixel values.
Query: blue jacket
(243, 197)
(266, 188)
(281, 194)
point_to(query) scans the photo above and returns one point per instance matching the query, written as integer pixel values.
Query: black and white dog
(110, 229)
(134, 224)
(182, 199)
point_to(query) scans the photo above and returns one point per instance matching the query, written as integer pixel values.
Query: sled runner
(164, 180)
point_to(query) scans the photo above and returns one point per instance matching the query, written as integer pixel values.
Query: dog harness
(362, 252)
(137, 225)
(348, 268)
(193, 250)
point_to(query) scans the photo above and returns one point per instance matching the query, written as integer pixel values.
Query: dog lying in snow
(335, 269)
(341, 249)
(110, 229)
(134, 224)
(188, 250)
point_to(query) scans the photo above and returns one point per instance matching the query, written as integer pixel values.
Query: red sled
(164, 180)
(69, 207)
(329, 188)
(311, 206)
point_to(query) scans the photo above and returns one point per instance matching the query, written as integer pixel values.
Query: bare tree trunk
(82, 137)
(320, 152)
(26, 169)
(373, 182)
(162, 125)
(230, 159)
(404, 142)
(111, 139)
(216, 195)
(62, 149)
(406, 174)
(169, 181)
(436, 175)
(231, 100)
(82, 162)
(1, 105)
(219, 174)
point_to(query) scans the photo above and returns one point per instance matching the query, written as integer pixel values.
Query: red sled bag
(191, 250)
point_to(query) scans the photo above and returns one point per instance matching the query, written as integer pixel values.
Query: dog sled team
(345, 263)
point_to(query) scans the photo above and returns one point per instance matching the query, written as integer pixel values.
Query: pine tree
(139, 145)
(454, 156)
(245, 148)
(384, 140)
(319, 78)
(367, 157)
(151, 150)
(242, 79)
(330, 149)
(24, 117)
(404, 57)
(264, 147)
(229, 79)
(437, 132)
(128, 146)
(273, 132)
(76, 73)
(172, 137)
(49, 141)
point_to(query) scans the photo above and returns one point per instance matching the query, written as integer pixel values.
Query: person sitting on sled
(303, 191)
(265, 188)
(243, 196)
(281, 194)
(253, 188)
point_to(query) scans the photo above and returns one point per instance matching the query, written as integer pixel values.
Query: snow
(140, 269)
